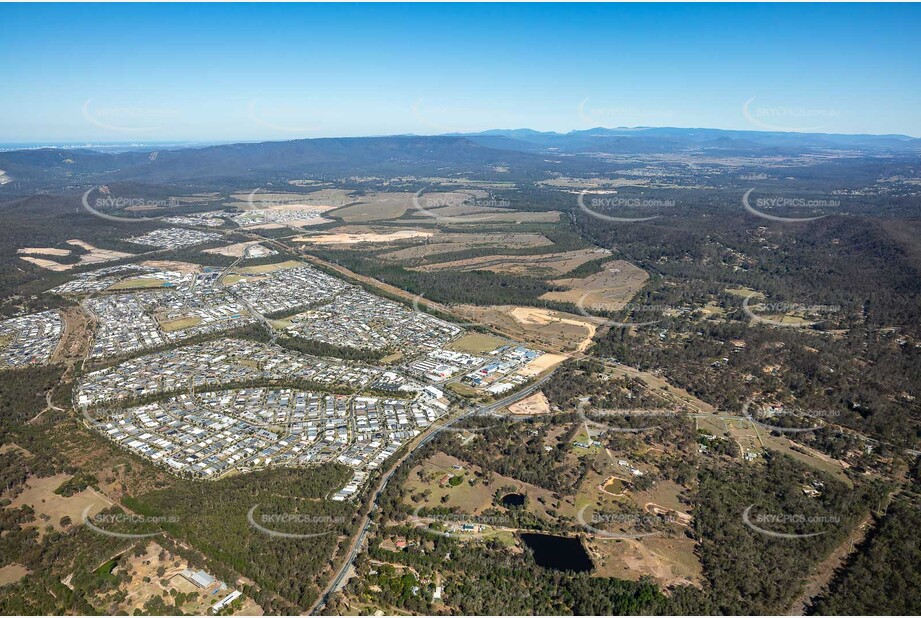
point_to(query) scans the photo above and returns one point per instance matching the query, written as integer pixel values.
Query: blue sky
(217, 72)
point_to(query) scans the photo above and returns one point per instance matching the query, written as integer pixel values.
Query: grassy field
(180, 323)
(138, 283)
(545, 265)
(231, 279)
(268, 268)
(462, 389)
(555, 331)
(388, 206)
(668, 560)
(467, 498)
(392, 358)
(323, 197)
(476, 343)
(610, 289)
(51, 507)
(743, 292)
(807, 456)
(480, 216)
(443, 243)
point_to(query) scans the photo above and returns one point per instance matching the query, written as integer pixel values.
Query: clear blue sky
(245, 72)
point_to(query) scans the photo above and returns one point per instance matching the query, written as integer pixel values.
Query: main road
(433, 431)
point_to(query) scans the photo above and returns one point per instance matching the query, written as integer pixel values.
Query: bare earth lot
(556, 331)
(93, 255)
(343, 237)
(12, 573)
(534, 404)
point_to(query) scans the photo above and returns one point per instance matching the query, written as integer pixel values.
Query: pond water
(510, 500)
(561, 553)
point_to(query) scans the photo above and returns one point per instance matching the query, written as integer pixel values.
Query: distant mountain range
(669, 139)
(528, 152)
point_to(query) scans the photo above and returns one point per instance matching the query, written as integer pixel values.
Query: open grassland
(78, 332)
(482, 184)
(476, 343)
(234, 250)
(481, 215)
(269, 268)
(342, 237)
(388, 206)
(808, 456)
(610, 289)
(743, 292)
(545, 265)
(137, 283)
(179, 267)
(442, 243)
(50, 507)
(43, 251)
(179, 324)
(670, 560)
(325, 199)
(471, 499)
(565, 182)
(555, 331)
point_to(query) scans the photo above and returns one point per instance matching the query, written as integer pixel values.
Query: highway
(382, 485)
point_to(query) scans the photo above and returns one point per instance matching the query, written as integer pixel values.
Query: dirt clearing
(43, 251)
(50, 507)
(356, 238)
(547, 265)
(531, 405)
(610, 289)
(442, 243)
(12, 573)
(238, 249)
(556, 331)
